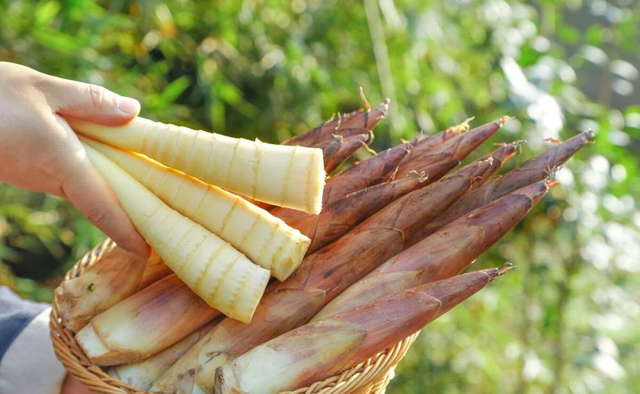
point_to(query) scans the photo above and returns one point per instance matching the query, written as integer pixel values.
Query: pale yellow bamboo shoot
(288, 176)
(251, 230)
(225, 278)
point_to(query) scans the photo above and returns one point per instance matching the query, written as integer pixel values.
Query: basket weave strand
(369, 377)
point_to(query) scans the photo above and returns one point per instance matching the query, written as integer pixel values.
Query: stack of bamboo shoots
(381, 260)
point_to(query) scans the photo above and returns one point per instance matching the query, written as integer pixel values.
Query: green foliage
(566, 320)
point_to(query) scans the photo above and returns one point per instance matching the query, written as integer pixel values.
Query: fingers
(94, 199)
(84, 187)
(89, 102)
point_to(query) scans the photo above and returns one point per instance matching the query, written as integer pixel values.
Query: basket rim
(372, 375)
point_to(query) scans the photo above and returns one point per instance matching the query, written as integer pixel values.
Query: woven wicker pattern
(369, 377)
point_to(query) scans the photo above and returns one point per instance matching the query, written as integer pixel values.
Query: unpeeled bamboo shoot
(343, 125)
(456, 148)
(535, 169)
(339, 217)
(144, 373)
(443, 254)
(428, 143)
(101, 286)
(155, 270)
(324, 348)
(369, 172)
(144, 324)
(340, 148)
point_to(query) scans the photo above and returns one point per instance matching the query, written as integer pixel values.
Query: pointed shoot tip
(367, 106)
(551, 184)
(590, 134)
(505, 267)
(518, 145)
(504, 120)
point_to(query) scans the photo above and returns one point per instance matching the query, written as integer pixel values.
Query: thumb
(90, 102)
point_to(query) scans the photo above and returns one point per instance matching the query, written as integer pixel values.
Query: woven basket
(369, 377)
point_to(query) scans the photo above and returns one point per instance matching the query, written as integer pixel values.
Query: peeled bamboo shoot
(286, 176)
(211, 267)
(263, 238)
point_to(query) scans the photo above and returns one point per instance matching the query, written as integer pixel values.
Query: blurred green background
(566, 320)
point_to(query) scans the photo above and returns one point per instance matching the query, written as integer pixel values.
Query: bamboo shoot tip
(590, 135)
(367, 106)
(505, 268)
(505, 119)
(551, 184)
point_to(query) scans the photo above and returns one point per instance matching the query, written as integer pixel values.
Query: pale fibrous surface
(144, 373)
(100, 287)
(263, 238)
(288, 176)
(138, 326)
(223, 277)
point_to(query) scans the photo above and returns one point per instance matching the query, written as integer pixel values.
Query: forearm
(25, 347)
(29, 364)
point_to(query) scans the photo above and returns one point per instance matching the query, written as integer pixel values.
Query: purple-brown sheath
(337, 150)
(535, 169)
(342, 215)
(444, 253)
(326, 347)
(344, 125)
(452, 150)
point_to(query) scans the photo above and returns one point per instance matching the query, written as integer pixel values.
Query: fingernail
(128, 106)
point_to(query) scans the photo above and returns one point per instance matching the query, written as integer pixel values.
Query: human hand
(72, 386)
(40, 152)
